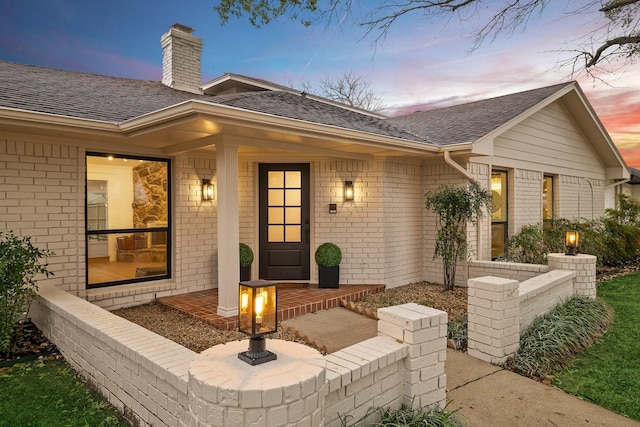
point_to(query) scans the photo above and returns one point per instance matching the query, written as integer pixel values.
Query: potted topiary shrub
(246, 259)
(328, 257)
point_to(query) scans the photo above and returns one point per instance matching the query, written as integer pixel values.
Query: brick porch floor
(292, 302)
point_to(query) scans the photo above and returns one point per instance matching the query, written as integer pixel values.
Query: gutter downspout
(448, 160)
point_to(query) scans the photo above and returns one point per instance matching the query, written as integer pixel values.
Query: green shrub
(458, 331)
(328, 255)
(407, 416)
(19, 264)
(555, 338)
(246, 255)
(527, 246)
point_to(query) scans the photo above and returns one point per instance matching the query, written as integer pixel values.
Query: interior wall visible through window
(127, 219)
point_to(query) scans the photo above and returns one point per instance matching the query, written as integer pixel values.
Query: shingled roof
(469, 122)
(115, 99)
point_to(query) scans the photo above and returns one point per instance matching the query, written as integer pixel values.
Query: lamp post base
(257, 353)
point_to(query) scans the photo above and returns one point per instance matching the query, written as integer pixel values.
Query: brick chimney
(181, 52)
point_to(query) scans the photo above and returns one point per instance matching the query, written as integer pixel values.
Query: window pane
(276, 233)
(293, 197)
(276, 197)
(499, 212)
(276, 179)
(136, 256)
(125, 198)
(547, 198)
(276, 215)
(499, 196)
(293, 179)
(497, 240)
(293, 215)
(292, 233)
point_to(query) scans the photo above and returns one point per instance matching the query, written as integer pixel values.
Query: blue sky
(421, 63)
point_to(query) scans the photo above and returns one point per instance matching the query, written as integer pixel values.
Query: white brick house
(106, 171)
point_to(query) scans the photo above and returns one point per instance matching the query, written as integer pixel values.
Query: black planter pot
(329, 277)
(245, 273)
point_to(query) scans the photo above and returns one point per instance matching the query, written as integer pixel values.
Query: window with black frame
(499, 213)
(127, 219)
(548, 199)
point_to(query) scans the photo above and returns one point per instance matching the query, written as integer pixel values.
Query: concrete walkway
(485, 395)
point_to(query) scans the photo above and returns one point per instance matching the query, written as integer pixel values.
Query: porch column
(228, 229)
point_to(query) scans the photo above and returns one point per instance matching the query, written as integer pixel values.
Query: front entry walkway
(293, 301)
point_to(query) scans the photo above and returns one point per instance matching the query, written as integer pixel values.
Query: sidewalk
(486, 395)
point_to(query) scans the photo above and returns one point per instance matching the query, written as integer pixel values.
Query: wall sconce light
(571, 241)
(208, 190)
(348, 191)
(257, 316)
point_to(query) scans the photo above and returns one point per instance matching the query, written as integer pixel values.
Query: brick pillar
(494, 318)
(225, 391)
(424, 329)
(584, 265)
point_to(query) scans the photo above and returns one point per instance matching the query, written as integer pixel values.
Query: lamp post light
(257, 316)
(571, 241)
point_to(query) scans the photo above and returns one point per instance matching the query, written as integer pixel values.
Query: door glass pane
(276, 216)
(292, 233)
(276, 198)
(293, 215)
(293, 179)
(276, 233)
(276, 179)
(293, 197)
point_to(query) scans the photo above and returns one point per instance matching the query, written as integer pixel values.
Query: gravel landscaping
(198, 335)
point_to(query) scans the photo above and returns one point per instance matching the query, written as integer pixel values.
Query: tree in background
(456, 207)
(618, 39)
(347, 88)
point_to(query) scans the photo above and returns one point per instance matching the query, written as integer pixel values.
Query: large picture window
(127, 219)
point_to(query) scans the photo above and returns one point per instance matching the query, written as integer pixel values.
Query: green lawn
(608, 373)
(48, 393)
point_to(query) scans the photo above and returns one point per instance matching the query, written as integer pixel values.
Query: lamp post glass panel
(571, 241)
(257, 316)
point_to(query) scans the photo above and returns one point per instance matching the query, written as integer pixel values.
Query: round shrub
(246, 255)
(328, 255)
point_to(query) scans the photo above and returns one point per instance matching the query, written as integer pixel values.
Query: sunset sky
(421, 63)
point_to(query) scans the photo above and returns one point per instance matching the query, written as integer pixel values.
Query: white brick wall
(527, 193)
(502, 308)
(42, 196)
(404, 214)
(161, 383)
(138, 371)
(507, 270)
(358, 226)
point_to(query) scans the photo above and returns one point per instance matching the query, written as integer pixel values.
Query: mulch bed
(29, 344)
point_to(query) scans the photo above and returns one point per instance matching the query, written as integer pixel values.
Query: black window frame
(108, 231)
